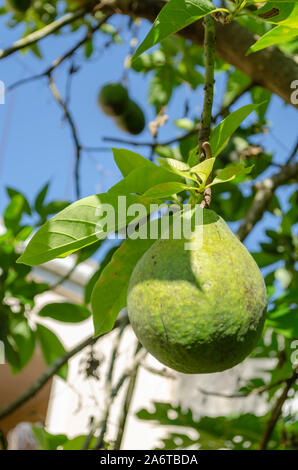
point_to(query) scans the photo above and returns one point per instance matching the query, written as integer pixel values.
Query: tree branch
(276, 411)
(131, 370)
(50, 372)
(77, 144)
(126, 403)
(269, 67)
(264, 193)
(62, 58)
(44, 32)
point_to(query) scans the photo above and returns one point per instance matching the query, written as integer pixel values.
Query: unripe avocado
(113, 99)
(132, 120)
(18, 6)
(202, 310)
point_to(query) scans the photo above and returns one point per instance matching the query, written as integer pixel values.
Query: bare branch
(50, 372)
(276, 411)
(126, 404)
(77, 144)
(131, 370)
(44, 32)
(62, 58)
(264, 192)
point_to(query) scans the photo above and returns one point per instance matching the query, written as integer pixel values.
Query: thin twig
(50, 372)
(127, 373)
(77, 144)
(254, 391)
(109, 389)
(44, 32)
(264, 193)
(126, 404)
(276, 411)
(60, 59)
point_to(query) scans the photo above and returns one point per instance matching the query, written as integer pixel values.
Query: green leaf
(93, 279)
(284, 13)
(109, 293)
(126, 160)
(46, 440)
(177, 167)
(77, 443)
(221, 134)
(14, 212)
(13, 192)
(164, 190)
(51, 348)
(263, 96)
(161, 87)
(203, 169)
(24, 339)
(265, 259)
(277, 35)
(54, 207)
(237, 83)
(229, 173)
(193, 156)
(65, 312)
(143, 178)
(88, 46)
(38, 203)
(77, 226)
(286, 323)
(175, 15)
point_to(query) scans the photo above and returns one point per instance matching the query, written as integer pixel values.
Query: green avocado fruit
(18, 6)
(132, 120)
(200, 310)
(113, 99)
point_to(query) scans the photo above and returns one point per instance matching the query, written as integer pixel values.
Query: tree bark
(269, 68)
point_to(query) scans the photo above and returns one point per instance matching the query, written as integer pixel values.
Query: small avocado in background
(18, 6)
(113, 99)
(132, 120)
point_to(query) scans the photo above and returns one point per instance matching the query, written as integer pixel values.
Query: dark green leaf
(51, 348)
(65, 312)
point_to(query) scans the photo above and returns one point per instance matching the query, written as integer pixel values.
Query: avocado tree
(195, 296)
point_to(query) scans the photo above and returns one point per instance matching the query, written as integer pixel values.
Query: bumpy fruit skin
(132, 120)
(18, 6)
(113, 99)
(198, 311)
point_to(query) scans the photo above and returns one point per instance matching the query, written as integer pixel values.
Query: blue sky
(36, 146)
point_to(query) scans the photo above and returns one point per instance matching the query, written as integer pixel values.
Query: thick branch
(263, 196)
(42, 33)
(269, 68)
(50, 372)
